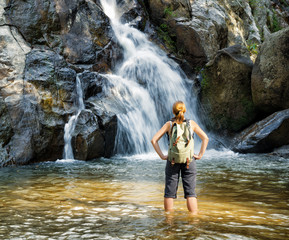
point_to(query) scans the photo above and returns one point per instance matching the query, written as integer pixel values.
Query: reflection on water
(240, 197)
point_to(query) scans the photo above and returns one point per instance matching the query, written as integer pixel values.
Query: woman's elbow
(206, 139)
(153, 141)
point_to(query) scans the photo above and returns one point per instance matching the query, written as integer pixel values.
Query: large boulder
(226, 90)
(53, 78)
(88, 141)
(270, 76)
(160, 9)
(38, 87)
(39, 106)
(200, 28)
(264, 136)
(94, 136)
(76, 29)
(6, 130)
(196, 30)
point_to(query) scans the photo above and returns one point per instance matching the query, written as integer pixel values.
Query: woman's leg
(189, 184)
(192, 205)
(169, 204)
(171, 188)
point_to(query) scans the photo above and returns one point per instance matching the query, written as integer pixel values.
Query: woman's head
(179, 110)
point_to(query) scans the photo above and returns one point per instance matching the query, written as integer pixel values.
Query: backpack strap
(188, 122)
(169, 132)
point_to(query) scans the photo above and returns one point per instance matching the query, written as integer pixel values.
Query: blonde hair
(179, 110)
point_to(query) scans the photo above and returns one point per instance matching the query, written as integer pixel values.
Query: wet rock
(92, 84)
(49, 143)
(38, 87)
(107, 120)
(41, 67)
(264, 136)
(86, 30)
(226, 90)
(33, 19)
(270, 76)
(159, 9)
(55, 81)
(94, 134)
(110, 131)
(211, 25)
(12, 52)
(108, 57)
(133, 12)
(25, 124)
(76, 29)
(6, 130)
(189, 43)
(88, 141)
(282, 151)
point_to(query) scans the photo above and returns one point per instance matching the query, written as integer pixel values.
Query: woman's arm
(203, 137)
(165, 128)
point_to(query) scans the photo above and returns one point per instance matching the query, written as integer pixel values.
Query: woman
(174, 170)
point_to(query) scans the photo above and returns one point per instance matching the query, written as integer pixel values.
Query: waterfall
(70, 125)
(147, 83)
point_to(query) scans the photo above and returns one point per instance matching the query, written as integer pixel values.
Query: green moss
(168, 12)
(243, 121)
(163, 32)
(205, 80)
(253, 3)
(273, 22)
(237, 124)
(276, 26)
(248, 106)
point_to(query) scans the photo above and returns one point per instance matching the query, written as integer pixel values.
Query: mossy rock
(226, 91)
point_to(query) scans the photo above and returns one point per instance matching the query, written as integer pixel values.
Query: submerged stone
(264, 136)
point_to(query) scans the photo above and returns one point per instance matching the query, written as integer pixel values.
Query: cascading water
(70, 125)
(147, 83)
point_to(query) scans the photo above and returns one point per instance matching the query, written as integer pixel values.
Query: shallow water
(240, 197)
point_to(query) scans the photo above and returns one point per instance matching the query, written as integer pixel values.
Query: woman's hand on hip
(197, 157)
(164, 157)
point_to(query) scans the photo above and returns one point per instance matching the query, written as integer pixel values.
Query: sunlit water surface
(240, 197)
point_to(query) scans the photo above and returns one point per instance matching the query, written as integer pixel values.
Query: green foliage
(253, 3)
(168, 12)
(276, 26)
(163, 32)
(164, 27)
(205, 80)
(253, 48)
(273, 22)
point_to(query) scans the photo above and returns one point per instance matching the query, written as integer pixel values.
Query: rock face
(202, 28)
(45, 45)
(226, 90)
(92, 137)
(270, 77)
(196, 30)
(264, 136)
(76, 29)
(38, 87)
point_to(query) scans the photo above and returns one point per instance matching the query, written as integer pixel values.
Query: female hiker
(180, 132)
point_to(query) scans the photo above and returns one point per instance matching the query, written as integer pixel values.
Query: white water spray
(146, 83)
(70, 125)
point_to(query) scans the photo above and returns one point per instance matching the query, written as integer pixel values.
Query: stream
(239, 196)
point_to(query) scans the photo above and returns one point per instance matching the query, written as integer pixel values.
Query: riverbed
(239, 196)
